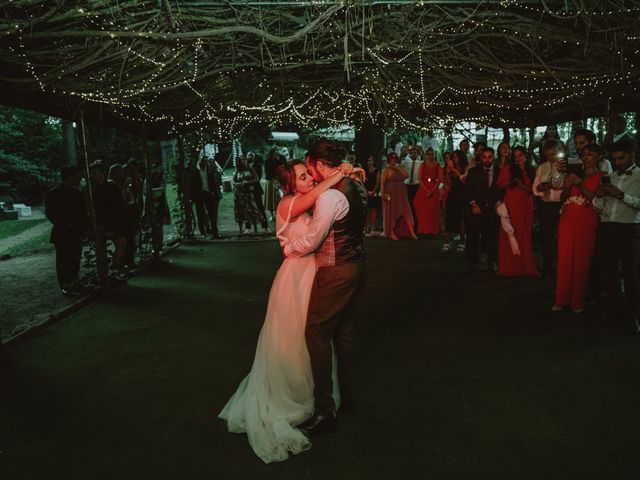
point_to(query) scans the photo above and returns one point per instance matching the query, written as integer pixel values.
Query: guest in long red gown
(516, 179)
(577, 233)
(427, 199)
(397, 217)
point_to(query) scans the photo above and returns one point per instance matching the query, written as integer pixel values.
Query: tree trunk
(69, 143)
(506, 135)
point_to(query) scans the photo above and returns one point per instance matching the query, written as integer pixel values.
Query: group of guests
(588, 211)
(122, 197)
(251, 201)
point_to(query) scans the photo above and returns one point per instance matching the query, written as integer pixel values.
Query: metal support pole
(101, 254)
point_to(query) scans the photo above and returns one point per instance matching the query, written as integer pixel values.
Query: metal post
(101, 254)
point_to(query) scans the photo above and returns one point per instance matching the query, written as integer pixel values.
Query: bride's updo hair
(329, 153)
(287, 176)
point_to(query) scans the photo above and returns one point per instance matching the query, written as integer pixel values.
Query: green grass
(10, 228)
(34, 243)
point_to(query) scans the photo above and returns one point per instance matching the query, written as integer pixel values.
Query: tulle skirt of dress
(278, 392)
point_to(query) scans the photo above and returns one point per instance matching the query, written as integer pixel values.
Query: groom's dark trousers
(333, 295)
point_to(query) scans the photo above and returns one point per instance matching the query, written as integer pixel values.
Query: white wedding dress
(277, 394)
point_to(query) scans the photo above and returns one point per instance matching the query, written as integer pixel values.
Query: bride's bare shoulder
(283, 205)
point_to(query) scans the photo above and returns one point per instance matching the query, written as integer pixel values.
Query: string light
(383, 87)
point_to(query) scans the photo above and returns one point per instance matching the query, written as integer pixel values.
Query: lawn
(10, 228)
(38, 242)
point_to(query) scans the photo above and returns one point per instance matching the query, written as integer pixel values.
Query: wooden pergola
(172, 66)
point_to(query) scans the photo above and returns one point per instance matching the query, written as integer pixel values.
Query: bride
(277, 394)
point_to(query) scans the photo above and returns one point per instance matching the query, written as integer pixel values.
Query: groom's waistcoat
(344, 242)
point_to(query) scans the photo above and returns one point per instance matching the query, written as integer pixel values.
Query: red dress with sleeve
(427, 200)
(520, 205)
(576, 243)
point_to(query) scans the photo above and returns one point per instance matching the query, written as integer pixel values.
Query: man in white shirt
(547, 187)
(619, 231)
(411, 164)
(429, 141)
(336, 235)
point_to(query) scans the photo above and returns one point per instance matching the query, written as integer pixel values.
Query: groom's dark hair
(329, 153)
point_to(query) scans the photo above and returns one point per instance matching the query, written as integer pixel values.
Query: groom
(335, 234)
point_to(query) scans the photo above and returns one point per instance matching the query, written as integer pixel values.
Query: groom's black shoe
(319, 424)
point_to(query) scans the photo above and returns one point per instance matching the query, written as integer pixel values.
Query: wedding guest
(577, 233)
(156, 208)
(64, 207)
(272, 191)
(464, 147)
(456, 172)
(206, 196)
(446, 157)
(411, 164)
(397, 217)
(244, 204)
(504, 151)
(124, 181)
(481, 220)
(619, 231)
(372, 184)
(111, 213)
(430, 141)
(582, 137)
(516, 180)
(256, 162)
(135, 182)
(478, 148)
(351, 158)
(547, 186)
(427, 200)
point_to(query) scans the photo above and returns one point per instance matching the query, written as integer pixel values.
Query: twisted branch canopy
(174, 65)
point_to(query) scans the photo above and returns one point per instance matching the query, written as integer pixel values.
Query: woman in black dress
(372, 184)
(456, 171)
(244, 203)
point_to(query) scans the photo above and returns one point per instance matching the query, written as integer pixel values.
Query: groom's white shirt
(331, 205)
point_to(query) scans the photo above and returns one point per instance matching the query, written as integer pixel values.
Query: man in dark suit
(206, 196)
(481, 220)
(64, 207)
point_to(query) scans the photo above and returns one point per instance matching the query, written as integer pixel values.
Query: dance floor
(458, 376)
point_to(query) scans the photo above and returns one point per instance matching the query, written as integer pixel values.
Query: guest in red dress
(427, 200)
(516, 179)
(577, 232)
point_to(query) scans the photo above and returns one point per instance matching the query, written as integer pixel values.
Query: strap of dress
(287, 221)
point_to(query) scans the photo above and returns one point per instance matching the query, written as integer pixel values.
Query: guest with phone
(618, 202)
(577, 232)
(547, 186)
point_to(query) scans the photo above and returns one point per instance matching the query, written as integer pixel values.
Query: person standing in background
(64, 207)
